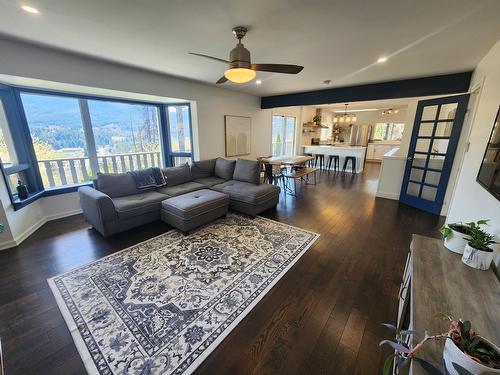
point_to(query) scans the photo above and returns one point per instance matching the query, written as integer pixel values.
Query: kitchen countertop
(336, 146)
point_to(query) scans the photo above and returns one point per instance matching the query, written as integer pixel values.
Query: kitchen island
(359, 152)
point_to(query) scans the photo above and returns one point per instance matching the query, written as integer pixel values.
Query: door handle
(410, 158)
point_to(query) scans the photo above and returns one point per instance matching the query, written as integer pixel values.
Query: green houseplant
(317, 119)
(453, 236)
(465, 352)
(478, 252)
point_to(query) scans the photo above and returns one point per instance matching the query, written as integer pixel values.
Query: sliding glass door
(283, 135)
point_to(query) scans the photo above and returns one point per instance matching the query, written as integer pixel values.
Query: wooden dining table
(287, 160)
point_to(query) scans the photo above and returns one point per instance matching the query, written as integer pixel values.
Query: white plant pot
(455, 242)
(451, 354)
(477, 258)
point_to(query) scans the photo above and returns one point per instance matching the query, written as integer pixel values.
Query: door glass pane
(416, 174)
(432, 177)
(278, 127)
(57, 134)
(289, 136)
(419, 161)
(413, 189)
(425, 129)
(440, 146)
(436, 162)
(179, 128)
(429, 113)
(429, 193)
(448, 111)
(422, 145)
(127, 136)
(180, 160)
(443, 129)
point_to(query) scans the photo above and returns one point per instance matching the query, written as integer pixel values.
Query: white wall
(470, 200)
(210, 104)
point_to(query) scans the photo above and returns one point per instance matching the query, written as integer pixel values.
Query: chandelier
(345, 117)
(389, 111)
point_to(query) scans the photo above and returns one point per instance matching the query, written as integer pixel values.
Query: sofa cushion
(224, 168)
(116, 184)
(178, 175)
(210, 181)
(203, 168)
(247, 171)
(176, 190)
(138, 204)
(196, 203)
(247, 192)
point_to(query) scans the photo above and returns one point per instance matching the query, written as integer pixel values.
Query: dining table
(287, 160)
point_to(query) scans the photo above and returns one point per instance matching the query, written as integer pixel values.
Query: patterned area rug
(161, 306)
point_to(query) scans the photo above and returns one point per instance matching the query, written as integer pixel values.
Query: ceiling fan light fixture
(239, 75)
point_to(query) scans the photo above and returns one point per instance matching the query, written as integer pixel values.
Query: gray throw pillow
(116, 184)
(224, 168)
(247, 171)
(178, 175)
(203, 168)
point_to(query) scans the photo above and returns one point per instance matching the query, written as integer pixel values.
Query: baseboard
(29, 231)
(393, 196)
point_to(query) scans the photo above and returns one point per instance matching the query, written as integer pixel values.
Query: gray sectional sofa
(115, 204)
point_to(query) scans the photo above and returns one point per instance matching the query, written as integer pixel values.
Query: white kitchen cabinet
(376, 151)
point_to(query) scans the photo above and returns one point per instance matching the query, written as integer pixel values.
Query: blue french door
(433, 144)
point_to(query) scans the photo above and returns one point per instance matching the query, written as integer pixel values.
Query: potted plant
(465, 352)
(478, 252)
(453, 236)
(317, 119)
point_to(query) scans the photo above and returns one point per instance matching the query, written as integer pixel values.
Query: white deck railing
(69, 171)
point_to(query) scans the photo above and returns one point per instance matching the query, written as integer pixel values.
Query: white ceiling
(336, 40)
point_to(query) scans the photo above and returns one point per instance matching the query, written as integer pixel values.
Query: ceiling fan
(241, 70)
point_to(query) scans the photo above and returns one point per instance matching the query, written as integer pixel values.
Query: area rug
(161, 306)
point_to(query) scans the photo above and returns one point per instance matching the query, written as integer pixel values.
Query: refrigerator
(360, 134)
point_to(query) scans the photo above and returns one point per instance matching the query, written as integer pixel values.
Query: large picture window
(283, 135)
(66, 139)
(127, 136)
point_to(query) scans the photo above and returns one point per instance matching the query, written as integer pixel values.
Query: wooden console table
(436, 280)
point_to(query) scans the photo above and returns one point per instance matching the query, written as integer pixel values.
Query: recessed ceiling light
(382, 59)
(258, 82)
(29, 9)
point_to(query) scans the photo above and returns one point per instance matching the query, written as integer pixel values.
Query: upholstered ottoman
(190, 210)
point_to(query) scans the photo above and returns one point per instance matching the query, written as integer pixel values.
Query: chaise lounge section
(115, 204)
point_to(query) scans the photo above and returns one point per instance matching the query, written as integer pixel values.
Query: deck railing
(69, 171)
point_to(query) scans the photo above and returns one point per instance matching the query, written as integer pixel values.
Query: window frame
(389, 130)
(169, 157)
(27, 161)
(284, 133)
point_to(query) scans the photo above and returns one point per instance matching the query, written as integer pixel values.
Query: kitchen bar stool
(353, 164)
(336, 163)
(321, 159)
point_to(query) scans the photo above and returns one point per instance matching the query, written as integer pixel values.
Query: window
(388, 131)
(179, 134)
(126, 136)
(60, 141)
(283, 135)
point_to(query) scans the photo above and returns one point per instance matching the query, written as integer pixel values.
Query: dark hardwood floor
(322, 317)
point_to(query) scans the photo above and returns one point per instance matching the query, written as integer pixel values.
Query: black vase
(22, 191)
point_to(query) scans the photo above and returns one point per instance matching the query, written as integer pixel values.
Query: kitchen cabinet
(376, 151)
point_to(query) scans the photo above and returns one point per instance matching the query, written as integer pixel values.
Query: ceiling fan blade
(222, 80)
(277, 68)
(210, 57)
